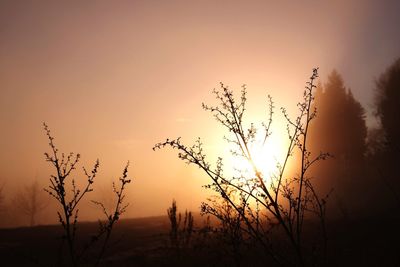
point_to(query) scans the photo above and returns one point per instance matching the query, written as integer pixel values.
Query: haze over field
(111, 79)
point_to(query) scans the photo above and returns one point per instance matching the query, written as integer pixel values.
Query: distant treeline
(362, 172)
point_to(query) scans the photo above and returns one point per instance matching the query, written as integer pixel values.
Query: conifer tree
(387, 105)
(339, 128)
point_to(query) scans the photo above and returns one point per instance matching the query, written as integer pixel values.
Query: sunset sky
(112, 78)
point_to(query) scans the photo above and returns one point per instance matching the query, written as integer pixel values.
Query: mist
(113, 80)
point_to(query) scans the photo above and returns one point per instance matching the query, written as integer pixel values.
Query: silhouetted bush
(69, 202)
(264, 206)
(181, 231)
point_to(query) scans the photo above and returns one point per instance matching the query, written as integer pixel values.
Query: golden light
(265, 157)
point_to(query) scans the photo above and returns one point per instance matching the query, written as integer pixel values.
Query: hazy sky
(112, 78)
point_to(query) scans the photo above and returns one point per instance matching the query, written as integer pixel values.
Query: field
(145, 242)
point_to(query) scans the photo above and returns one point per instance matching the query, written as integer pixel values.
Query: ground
(369, 241)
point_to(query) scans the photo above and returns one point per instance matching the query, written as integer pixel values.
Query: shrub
(69, 202)
(181, 232)
(282, 201)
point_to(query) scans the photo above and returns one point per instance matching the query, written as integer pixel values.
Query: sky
(113, 78)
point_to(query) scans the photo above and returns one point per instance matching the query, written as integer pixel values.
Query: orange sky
(111, 79)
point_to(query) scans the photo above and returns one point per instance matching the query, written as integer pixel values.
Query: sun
(265, 157)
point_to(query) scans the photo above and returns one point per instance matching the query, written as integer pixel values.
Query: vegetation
(1, 198)
(181, 231)
(262, 218)
(339, 128)
(69, 203)
(30, 201)
(340, 125)
(387, 102)
(264, 205)
(384, 141)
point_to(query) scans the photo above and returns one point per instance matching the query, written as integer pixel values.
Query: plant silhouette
(387, 103)
(181, 231)
(282, 201)
(69, 203)
(339, 128)
(1, 198)
(340, 125)
(384, 140)
(30, 201)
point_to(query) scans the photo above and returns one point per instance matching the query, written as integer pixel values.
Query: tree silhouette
(340, 125)
(384, 141)
(264, 204)
(387, 106)
(181, 231)
(69, 197)
(31, 201)
(1, 198)
(340, 129)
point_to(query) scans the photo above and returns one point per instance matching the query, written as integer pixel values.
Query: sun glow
(265, 157)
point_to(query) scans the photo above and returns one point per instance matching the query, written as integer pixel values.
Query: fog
(113, 79)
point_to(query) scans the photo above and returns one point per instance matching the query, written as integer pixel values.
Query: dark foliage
(384, 140)
(387, 105)
(340, 125)
(181, 231)
(1, 198)
(339, 128)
